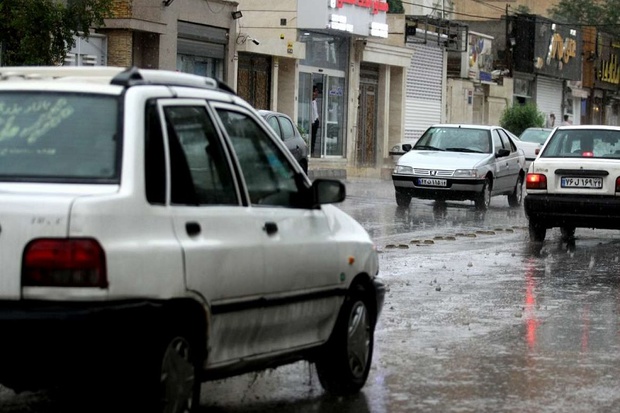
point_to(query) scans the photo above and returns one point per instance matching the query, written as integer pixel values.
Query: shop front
(337, 93)
(545, 57)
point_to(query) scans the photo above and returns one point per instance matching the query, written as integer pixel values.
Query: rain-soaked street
(476, 319)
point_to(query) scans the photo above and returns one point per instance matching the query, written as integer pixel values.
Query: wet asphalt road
(476, 319)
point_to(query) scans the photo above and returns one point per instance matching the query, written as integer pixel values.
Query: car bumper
(455, 189)
(54, 342)
(578, 211)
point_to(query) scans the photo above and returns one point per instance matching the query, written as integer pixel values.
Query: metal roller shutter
(549, 97)
(423, 89)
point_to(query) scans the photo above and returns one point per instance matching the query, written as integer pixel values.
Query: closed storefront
(424, 89)
(549, 97)
(201, 49)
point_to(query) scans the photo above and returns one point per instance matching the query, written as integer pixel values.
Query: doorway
(328, 137)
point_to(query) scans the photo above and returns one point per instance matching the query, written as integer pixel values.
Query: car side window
(273, 122)
(287, 128)
(497, 141)
(199, 168)
(506, 141)
(269, 177)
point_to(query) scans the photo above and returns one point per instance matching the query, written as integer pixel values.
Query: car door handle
(270, 228)
(192, 228)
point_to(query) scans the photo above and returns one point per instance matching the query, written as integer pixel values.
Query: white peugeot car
(156, 233)
(461, 162)
(575, 182)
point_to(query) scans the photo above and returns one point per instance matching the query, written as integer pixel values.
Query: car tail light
(536, 181)
(588, 154)
(618, 184)
(56, 262)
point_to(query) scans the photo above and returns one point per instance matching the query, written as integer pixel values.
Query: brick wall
(122, 9)
(120, 45)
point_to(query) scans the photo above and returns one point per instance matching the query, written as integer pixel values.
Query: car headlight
(401, 169)
(466, 173)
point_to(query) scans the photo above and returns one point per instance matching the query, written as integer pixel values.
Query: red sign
(375, 6)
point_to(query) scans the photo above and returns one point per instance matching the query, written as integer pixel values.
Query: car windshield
(58, 137)
(454, 139)
(577, 143)
(535, 135)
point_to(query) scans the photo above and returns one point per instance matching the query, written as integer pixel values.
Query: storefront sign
(609, 71)
(375, 6)
(561, 49)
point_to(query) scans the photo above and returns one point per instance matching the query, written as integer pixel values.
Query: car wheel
(516, 198)
(483, 199)
(403, 200)
(568, 233)
(344, 362)
(537, 231)
(168, 379)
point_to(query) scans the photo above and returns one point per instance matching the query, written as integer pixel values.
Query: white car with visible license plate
(575, 182)
(461, 162)
(156, 233)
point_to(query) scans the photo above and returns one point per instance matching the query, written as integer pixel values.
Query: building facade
(192, 36)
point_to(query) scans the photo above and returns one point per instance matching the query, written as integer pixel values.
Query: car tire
(537, 231)
(179, 379)
(168, 377)
(568, 233)
(483, 200)
(516, 198)
(344, 362)
(403, 200)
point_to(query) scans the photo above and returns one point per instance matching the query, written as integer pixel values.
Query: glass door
(323, 96)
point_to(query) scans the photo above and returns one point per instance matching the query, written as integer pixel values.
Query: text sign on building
(607, 67)
(357, 17)
(557, 50)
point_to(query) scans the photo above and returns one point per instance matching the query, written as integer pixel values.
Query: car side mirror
(328, 191)
(406, 147)
(502, 153)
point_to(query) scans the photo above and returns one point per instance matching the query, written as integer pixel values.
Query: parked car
(156, 233)
(575, 182)
(531, 141)
(461, 162)
(284, 127)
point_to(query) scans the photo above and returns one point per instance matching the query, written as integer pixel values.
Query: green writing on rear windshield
(32, 121)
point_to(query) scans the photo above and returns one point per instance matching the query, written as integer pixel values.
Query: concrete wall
(496, 99)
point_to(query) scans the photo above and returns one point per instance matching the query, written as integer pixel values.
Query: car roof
(541, 129)
(464, 126)
(264, 113)
(120, 76)
(589, 127)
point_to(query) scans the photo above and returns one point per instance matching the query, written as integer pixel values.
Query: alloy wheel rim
(358, 343)
(177, 377)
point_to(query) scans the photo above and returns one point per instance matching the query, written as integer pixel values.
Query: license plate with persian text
(582, 182)
(432, 182)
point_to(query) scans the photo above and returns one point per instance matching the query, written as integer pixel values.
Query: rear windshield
(578, 143)
(61, 137)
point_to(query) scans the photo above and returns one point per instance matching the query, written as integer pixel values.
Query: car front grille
(433, 172)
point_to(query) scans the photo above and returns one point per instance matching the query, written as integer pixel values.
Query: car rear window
(59, 137)
(577, 143)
